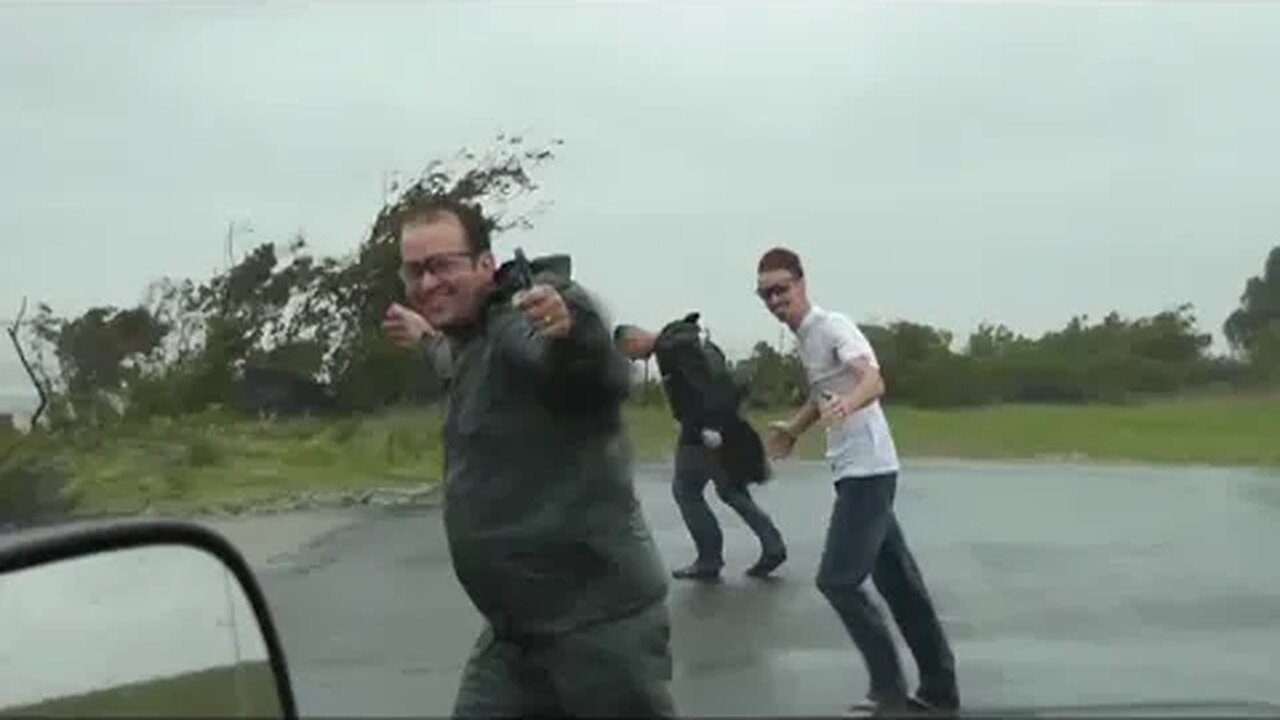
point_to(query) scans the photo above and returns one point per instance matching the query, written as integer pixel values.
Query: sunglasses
(439, 265)
(768, 292)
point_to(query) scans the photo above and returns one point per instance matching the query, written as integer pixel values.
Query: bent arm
(802, 420)
(854, 349)
(585, 355)
(868, 384)
(439, 354)
(695, 389)
(720, 400)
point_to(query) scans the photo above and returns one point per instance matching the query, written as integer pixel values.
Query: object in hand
(523, 271)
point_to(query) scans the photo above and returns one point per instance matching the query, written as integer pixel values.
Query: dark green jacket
(543, 524)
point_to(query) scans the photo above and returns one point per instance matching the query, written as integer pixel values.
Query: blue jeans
(863, 539)
(695, 467)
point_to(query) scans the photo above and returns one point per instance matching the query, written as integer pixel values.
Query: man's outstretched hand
(545, 309)
(835, 408)
(405, 327)
(781, 441)
(712, 438)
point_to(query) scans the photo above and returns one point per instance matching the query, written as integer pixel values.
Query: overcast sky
(947, 163)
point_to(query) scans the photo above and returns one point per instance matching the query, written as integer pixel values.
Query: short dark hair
(780, 258)
(477, 228)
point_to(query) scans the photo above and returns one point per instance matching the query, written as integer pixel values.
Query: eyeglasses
(440, 265)
(768, 292)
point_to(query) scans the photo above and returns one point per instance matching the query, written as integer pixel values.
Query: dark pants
(620, 668)
(695, 467)
(864, 539)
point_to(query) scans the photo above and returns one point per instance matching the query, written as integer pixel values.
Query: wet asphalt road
(1059, 585)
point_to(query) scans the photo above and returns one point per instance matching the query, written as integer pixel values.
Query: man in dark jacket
(715, 443)
(545, 532)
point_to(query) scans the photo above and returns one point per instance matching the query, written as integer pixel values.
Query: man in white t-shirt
(863, 537)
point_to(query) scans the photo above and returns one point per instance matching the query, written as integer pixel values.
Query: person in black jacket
(715, 443)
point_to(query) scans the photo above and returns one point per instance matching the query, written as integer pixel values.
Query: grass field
(213, 459)
(1208, 431)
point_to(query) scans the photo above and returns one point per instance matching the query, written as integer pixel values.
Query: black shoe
(697, 572)
(767, 563)
(924, 706)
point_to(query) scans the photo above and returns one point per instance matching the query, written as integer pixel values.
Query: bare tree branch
(13, 330)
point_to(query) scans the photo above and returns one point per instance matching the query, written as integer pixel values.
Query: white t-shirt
(862, 444)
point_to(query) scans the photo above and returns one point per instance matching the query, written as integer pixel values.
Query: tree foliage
(279, 307)
(1254, 328)
(771, 378)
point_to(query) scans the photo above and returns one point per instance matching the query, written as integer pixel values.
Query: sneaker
(696, 572)
(877, 708)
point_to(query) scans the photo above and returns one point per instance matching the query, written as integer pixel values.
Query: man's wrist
(858, 399)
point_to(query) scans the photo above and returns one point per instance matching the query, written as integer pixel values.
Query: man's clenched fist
(546, 310)
(405, 327)
(781, 441)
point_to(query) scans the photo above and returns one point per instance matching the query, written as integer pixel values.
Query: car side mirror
(139, 618)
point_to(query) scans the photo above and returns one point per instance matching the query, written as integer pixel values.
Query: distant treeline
(286, 331)
(1111, 360)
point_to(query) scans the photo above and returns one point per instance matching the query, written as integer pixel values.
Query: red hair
(780, 258)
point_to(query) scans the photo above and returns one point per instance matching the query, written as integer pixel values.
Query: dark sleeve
(719, 400)
(438, 353)
(673, 362)
(585, 357)
(695, 390)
